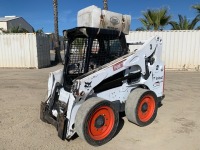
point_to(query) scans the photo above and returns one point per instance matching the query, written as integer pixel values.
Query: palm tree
(105, 4)
(155, 19)
(58, 58)
(184, 23)
(197, 7)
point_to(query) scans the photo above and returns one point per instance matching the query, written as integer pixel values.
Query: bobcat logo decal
(88, 84)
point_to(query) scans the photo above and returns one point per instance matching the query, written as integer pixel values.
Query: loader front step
(60, 123)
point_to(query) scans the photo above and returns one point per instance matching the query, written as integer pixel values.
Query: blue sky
(39, 13)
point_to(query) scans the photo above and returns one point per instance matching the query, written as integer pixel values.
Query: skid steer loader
(101, 78)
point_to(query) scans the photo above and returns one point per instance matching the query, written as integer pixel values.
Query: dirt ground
(177, 126)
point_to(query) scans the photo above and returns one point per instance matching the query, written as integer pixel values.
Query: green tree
(184, 23)
(3, 31)
(16, 29)
(58, 58)
(155, 19)
(39, 31)
(140, 29)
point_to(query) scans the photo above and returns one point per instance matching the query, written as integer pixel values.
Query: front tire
(141, 107)
(43, 106)
(96, 121)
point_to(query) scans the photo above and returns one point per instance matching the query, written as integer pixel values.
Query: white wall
(24, 51)
(181, 49)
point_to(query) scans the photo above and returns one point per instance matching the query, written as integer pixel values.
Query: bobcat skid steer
(101, 78)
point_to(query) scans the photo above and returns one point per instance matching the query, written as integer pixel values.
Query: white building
(8, 22)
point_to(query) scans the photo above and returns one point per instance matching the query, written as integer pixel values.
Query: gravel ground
(177, 126)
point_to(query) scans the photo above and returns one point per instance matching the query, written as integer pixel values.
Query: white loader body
(133, 62)
(101, 77)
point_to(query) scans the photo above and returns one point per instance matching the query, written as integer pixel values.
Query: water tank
(93, 16)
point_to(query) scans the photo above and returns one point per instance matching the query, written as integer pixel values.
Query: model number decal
(159, 78)
(117, 66)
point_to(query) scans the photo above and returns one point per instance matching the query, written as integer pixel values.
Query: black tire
(141, 107)
(43, 108)
(96, 121)
(42, 111)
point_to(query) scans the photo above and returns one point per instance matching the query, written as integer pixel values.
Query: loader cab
(89, 48)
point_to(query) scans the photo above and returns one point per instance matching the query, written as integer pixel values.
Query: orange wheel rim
(146, 108)
(101, 123)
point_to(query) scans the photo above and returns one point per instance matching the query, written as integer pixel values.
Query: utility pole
(105, 4)
(58, 58)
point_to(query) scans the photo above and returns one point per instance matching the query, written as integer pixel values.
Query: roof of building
(8, 18)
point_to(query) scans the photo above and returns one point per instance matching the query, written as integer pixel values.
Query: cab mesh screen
(88, 54)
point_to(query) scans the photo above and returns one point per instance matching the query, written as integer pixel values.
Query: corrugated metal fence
(181, 49)
(24, 50)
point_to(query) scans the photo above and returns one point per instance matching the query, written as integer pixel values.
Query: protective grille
(86, 56)
(78, 50)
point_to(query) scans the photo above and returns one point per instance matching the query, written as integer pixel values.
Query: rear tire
(141, 107)
(96, 121)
